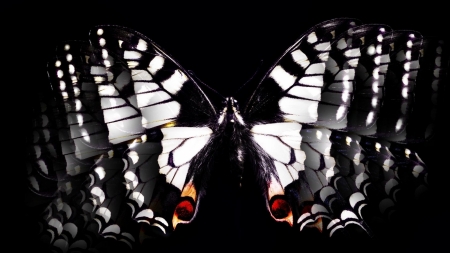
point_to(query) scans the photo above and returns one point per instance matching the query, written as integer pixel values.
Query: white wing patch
(302, 78)
(156, 64)
(281, 141)
(282, 78)
(300, 110)
(155, 80)
(156, 104)
(300, 58)
(175, 82)
(312, 93)
(180, 145)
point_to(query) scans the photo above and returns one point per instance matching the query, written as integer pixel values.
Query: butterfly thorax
(230, 113)
(232, 130)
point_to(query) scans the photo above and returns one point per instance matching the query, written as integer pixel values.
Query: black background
(223, 43)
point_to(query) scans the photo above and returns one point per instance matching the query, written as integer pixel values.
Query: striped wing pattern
(333, 118)
(102, 105)
(163, 93)
(354, 98)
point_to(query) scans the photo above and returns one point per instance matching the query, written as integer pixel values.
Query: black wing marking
(291, 91)
(399, 85)
(428, 95)
(166, 96)
(72, 143)
(296, 79)
(369, 81)
(340, 74)
(340, 184)
(45, 161)
(163, 90)
(366, 89)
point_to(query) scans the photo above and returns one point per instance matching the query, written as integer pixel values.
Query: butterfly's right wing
(296, 160)
(334, 94)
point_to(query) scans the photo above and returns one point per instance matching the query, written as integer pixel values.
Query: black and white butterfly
(130, 145)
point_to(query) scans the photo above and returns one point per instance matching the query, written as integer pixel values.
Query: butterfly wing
(339, 98)
(290, 94)
(70, 141)
(123, 141)
(296, 78)
(165, 95)
(117, 103)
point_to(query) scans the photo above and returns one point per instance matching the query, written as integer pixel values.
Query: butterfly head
(230, 113)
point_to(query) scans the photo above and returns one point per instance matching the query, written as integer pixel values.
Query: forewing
(340, 73)
(291, 89)
(165, 96)
(161, 89)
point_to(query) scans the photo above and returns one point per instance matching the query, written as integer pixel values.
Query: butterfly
(134, 143)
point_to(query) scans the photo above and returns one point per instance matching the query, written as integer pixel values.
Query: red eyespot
(280, 208)
(184, 210)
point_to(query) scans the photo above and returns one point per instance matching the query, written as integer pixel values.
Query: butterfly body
(316, 149)
(232, 153)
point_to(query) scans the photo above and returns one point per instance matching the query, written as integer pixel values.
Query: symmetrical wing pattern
(125, 142)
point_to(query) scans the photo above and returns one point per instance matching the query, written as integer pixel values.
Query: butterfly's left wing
(170, 104)
(130, 122)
